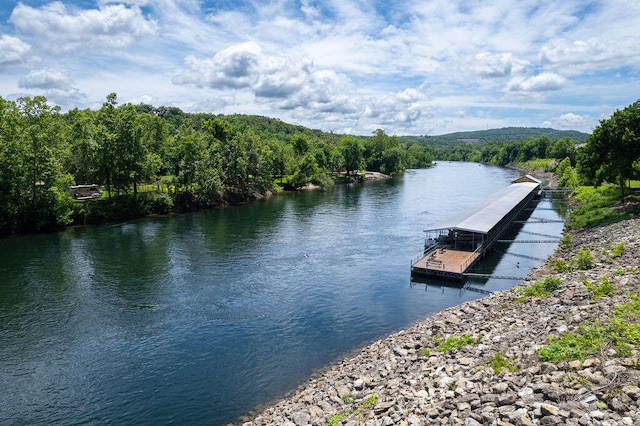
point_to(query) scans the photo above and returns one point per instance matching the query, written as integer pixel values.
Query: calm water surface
(200, 318)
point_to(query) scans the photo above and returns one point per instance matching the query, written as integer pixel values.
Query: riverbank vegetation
(150, 160)
(603, 169)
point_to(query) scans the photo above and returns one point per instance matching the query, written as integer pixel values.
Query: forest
(157, 160)
(149, 160)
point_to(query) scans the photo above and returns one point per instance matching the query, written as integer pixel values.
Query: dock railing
(470, 259)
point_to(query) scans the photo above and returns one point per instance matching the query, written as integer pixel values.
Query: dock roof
(485, 215)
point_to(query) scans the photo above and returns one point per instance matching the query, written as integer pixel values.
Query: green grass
(369, 402)
(588, 340)
(621, 332)
(605, 289)
(538, 164)
(618, 250)
(455, 342)
(561, 266)
(594, 206)
(499, 362)
(566, 240)
(585, 260)
(335, 420)
(350, 399)
(541, 289)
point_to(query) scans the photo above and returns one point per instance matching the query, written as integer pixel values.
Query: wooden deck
(445, 262)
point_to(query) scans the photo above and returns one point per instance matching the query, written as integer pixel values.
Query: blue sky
(414, 67)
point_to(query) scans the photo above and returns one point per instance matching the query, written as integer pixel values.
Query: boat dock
(456, 245)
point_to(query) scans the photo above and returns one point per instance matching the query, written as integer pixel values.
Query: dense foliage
(612, 152)
(188, 160)
(505, 134)
(157, 160)
(502, 153)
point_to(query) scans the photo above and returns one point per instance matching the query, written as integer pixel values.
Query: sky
(414, 67)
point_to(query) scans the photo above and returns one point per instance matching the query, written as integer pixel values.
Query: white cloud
(46, 79)
(401, 107)
(493, 65)
(54, 84)
(290, 82)
(571, 121)
(536, 85)
(593, 53)
(423, 67)
(13, 51)
(233, 68)
(59, 29)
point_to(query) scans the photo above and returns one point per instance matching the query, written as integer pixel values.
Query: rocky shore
(491, 373)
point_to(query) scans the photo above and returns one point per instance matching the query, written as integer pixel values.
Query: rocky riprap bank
(404, 380)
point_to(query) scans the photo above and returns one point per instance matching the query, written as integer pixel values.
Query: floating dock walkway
(454, 246)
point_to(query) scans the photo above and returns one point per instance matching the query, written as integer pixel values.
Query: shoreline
(404, 379)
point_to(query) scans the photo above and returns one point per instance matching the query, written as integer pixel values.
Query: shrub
(562, 266)
(158, 202)
(622, 333)
(335, 420)
(566, 240)
(370, 402)
(543, 288)
(585, 259)
(455, 342)
(605, 289)
(590, 339)
(618, 249)
(499, 362)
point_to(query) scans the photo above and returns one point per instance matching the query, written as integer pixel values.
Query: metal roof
(482, 217)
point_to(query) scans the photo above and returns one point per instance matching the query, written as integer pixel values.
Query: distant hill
(506, 134)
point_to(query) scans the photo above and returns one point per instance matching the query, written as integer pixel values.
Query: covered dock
(455, 245)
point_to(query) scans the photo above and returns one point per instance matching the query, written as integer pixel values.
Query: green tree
(419, 156)
(185, 150)
(12, 189)
(234, 163)
(106, 133)
(130, 150)
(333, 156)
(562, 148)
(612, 149)
(308, 171)
(208, 177)
(82, 158)
(567, 175)
(301, 144)
(375, 147)
(352, 150)
(393, 160)
(44, 141)
(258, 164)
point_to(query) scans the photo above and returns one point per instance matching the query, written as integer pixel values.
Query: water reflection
(199, 318)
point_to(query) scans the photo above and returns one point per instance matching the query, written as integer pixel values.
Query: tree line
(501, 153)
(192, 160)
(611, 154)
(187, 161)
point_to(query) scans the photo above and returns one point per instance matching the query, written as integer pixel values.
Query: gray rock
(460, 388)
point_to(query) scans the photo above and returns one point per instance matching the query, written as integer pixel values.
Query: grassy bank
(600, 205)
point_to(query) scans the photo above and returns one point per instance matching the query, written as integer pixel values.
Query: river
(200, 318)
